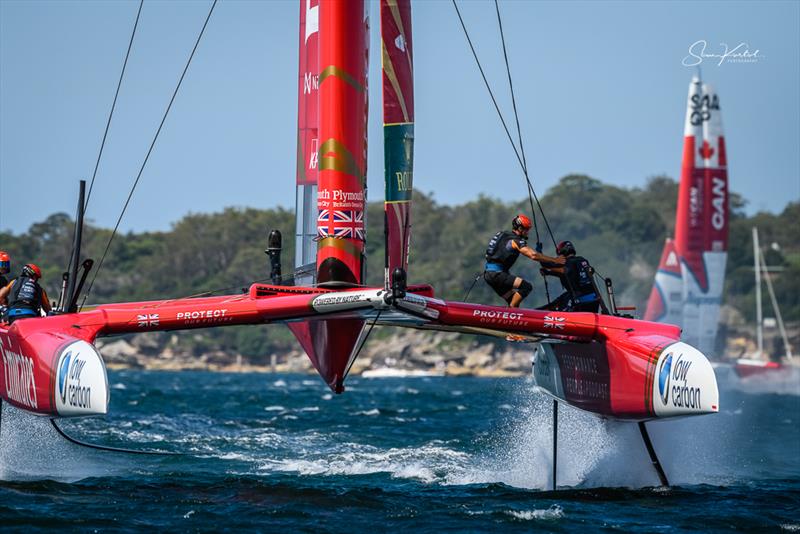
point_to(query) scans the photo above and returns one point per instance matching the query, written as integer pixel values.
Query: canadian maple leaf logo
(706, 151)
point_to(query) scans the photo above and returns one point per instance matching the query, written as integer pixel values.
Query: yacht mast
(781, 327)
(759, 318)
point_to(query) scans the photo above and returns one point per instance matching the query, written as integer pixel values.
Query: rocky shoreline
(401, 352)
(388, 352)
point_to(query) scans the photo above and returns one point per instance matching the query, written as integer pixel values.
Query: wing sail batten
(398, 130)
(307, 145)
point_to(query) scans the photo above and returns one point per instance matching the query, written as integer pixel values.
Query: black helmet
(565, 248)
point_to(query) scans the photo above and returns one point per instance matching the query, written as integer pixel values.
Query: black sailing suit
(500, 257)
(579, 293)
(25, 299)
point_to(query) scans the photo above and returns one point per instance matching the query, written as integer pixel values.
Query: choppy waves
(476, 453)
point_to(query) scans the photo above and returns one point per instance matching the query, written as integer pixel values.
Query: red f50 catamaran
(607, 364)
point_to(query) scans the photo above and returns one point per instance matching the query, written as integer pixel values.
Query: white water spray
(31, 449)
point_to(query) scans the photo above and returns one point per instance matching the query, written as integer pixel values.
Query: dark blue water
(263, 452)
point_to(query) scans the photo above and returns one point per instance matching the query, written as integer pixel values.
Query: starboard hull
(668, 380)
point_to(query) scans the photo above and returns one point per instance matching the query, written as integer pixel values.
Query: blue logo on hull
(62, 376)
(663, 378)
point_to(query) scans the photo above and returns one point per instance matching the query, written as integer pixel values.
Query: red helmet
(5, 262)
(32, 270)
(521, 222)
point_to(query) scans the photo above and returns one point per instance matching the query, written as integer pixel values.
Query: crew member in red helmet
(503, 250)
(5, 268)
(24, 296)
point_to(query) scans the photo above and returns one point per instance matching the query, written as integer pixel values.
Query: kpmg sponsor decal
(19, 379)
(72, 391)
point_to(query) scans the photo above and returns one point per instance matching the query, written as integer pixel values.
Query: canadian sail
(691, 274)
(339, 214)
(398, 129)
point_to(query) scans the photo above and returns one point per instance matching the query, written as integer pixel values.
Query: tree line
(620, 230)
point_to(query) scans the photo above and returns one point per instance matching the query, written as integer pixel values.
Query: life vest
(25, 294)
(501, 251)
(578, 276)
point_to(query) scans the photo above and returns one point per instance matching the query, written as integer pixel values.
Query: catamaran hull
(611, 366)
(653, 379)
(51, 373)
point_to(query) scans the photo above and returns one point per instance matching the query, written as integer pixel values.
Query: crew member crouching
(24, 296)
(575, 275)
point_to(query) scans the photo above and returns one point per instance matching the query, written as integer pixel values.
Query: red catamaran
(607, 364)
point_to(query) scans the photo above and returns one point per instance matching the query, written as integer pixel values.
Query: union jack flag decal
(341, 224)
(147, 320)
(553, 321)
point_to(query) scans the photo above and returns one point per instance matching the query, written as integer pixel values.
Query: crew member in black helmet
(503, 250)
(24, 296)
(575, 275)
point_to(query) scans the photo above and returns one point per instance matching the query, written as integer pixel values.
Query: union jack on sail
(345, 223)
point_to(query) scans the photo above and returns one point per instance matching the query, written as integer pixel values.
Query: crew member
(5, 268)
(575, 275)
(24, 296)
(503, 250)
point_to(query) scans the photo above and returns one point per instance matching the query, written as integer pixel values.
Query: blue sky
(600, 88)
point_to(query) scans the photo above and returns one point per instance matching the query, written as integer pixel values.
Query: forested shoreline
(620, 230)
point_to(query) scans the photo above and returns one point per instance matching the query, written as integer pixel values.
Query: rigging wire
(149, 151)
(474, 281)
(363, 342)
(516, 118)
(113, 105)
(531, 191)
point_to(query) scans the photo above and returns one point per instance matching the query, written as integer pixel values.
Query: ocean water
(268, 452)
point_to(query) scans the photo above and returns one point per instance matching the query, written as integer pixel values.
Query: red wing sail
(398, 129)
(307, 144)
(341, 196)
(666, 298)
(341, 192)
